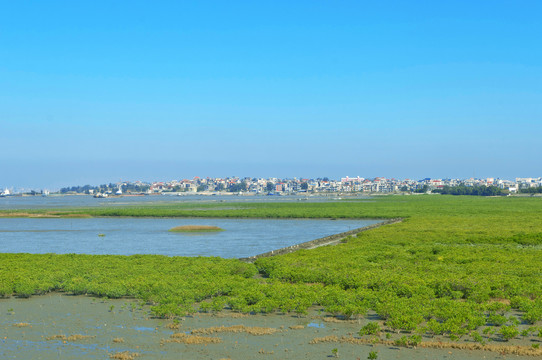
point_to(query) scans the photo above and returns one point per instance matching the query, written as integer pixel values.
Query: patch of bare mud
(59, 326)
(251, 330)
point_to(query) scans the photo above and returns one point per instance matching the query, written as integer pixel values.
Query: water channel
(128, 236)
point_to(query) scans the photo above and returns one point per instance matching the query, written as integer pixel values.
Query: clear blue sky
(97, 91)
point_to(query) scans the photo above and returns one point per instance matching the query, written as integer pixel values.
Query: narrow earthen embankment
(328, 240)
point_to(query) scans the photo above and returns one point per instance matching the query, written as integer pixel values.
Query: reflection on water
(128, 236)
(143, 328)
(316, 325)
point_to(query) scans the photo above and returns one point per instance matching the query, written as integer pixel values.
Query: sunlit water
(55, 201)
(128, 236)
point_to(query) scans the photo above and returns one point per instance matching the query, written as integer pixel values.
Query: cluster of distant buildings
(249, 185)
(346, 184)
(287, 186)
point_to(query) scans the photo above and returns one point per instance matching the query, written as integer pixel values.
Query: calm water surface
(63, 201)
(128, 236)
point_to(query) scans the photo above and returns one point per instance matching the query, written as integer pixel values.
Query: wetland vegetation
(457, 267)
(195, 228)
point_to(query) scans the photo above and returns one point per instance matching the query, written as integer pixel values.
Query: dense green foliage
(531, 190)
(127, 187)
(174, 282)
(421, 190)
(470, 190)
(455, 265)
(242, 186)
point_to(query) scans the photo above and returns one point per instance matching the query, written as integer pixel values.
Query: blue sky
(95, 92)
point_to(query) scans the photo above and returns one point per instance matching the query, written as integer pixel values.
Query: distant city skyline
(488, 181)
(99, 92)
(43, 175)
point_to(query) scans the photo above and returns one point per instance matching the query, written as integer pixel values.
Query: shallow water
(73, 201)
(128, 236)
(106, 320)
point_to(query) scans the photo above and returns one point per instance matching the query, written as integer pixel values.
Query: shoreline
(451, 258)
(325, 241)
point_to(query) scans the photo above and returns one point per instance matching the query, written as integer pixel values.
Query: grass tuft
(195, 228)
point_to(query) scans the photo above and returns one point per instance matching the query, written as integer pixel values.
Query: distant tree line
(242, 186)
(531, 190)
(421, 190)
(77, 189)
(470, 190)
(104, 188)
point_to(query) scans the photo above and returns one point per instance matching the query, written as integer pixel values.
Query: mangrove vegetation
(456, 266)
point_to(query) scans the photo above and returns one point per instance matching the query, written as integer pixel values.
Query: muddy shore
(59, 326)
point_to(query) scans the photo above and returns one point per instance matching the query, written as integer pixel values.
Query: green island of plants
(195, 228)
(456, 266)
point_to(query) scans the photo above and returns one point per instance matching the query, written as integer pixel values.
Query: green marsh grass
(195, 228)
(455, 265)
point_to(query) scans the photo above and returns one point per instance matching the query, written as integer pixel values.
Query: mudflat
(62, 326)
